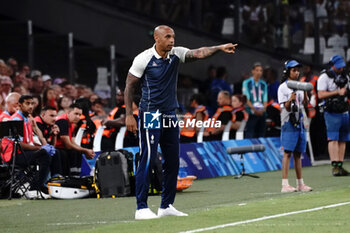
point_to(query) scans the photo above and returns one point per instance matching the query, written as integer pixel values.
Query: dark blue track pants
(168, 139)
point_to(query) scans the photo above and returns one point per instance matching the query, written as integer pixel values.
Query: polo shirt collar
(155, 53)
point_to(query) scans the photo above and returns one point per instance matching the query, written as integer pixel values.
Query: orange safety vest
(313, 81)
(86, 139)
(226, 108)
(190, 131)
(108, 132)
(245, 114)
(274, 104)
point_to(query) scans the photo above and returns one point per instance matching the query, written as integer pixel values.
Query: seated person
(188, 134)
(32, 154)
(11, 106)
(70, 152)
(238, 113)
(222, 114)
(114, 121)
(46, 124)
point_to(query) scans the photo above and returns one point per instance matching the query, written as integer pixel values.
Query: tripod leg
(13, 156)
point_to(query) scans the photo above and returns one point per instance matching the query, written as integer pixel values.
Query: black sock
(334, 163)
(340, 164)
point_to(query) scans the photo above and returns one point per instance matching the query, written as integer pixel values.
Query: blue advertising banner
(210, 159)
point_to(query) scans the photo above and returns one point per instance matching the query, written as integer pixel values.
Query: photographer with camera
(293, 135)
(332, 87)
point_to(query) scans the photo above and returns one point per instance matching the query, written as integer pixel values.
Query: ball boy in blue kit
(293, 135)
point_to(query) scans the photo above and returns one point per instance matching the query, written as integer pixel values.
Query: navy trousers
(169, 140)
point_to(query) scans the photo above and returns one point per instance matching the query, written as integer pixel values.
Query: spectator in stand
(25, 69)
(97, 108)
(3, 68)
(49, 98)
(223, 114)
(5, 86)
(84, 91)
(46, 123)
(69, 90)
(63, 104)
(256, 91)
(200, 113)
(47, 81)
(70, 152)
(37, 82)
(58, 90)
(219, 84)
(238, 102)
(11, 106)
(19, 79)
(20, 89)
(93, 97)
(12, 63)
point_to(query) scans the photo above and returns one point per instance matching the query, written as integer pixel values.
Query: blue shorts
(293, 138)
(338, 126)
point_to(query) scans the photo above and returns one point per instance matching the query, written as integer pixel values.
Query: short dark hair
(198, 98)
(48, 107)
(75, 105)
(23, 98)
(242, 98)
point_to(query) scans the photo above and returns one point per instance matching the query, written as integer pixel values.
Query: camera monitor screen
(11, 129)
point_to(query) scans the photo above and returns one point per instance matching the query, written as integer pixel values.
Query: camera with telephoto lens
(341, 80)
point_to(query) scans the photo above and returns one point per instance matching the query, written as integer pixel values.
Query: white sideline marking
(265, 217)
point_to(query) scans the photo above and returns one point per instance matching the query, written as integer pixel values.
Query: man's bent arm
(131, 84)
(204, 52)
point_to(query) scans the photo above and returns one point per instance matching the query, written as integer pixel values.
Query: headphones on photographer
(288, 65)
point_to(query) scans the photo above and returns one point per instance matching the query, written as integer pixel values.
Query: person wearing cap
(293, 135)
(256, 91)
(332, 89)
(47, 81)
(37, 81)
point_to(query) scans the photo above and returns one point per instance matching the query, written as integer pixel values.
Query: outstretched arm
(195, 54)
(131, 84)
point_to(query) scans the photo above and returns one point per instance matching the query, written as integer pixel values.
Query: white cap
(46, 77)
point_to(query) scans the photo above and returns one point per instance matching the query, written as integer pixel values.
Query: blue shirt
(158, 78)
(256, 92)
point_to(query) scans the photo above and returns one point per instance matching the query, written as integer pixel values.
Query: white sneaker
(170, 211)
(43, 195)
(145, 213)
(35, 194)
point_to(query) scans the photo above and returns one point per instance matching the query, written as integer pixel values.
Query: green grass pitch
(209, 202)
